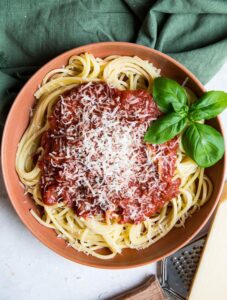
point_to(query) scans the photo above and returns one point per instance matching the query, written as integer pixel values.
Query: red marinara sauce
(95, 159)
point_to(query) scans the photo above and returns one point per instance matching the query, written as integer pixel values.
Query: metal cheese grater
(176, 272)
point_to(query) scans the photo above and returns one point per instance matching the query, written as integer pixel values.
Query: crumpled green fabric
(194, 32)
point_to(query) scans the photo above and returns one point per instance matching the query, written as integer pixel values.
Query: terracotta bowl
(17, 122)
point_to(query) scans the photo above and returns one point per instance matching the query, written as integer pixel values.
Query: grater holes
(185, 263)
(186, 268)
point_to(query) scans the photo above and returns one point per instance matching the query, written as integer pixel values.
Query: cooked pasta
(92, 234)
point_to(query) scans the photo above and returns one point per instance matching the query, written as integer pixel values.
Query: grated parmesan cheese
(96, 154)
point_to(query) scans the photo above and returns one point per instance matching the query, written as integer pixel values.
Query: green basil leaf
(165, 128)
(208, 106)
(203, 143)
(169, 95)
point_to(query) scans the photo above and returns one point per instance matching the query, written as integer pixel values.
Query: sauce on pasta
(95, 159)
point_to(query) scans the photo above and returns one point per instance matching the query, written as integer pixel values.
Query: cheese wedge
(210, 282)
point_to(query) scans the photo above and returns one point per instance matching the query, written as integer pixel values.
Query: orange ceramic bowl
(17, 122)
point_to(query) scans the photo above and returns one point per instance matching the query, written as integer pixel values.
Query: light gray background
(30, 271)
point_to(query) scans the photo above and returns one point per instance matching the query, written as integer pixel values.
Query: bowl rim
(6, 173)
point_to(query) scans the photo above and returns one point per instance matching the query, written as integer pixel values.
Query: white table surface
(30, 271)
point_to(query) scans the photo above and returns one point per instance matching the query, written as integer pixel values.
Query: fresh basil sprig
(203, 143)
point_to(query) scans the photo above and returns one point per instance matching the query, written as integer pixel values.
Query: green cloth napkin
(194, 32)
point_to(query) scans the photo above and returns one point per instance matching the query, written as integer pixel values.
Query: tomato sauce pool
(95, 159)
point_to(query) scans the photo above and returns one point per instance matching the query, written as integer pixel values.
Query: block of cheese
(210, 282)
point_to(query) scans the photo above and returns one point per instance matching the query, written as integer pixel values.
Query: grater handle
(150, 289)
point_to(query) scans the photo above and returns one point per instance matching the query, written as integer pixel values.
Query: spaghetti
(83, 160)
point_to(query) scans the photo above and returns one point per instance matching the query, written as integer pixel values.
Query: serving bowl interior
(17, 122)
